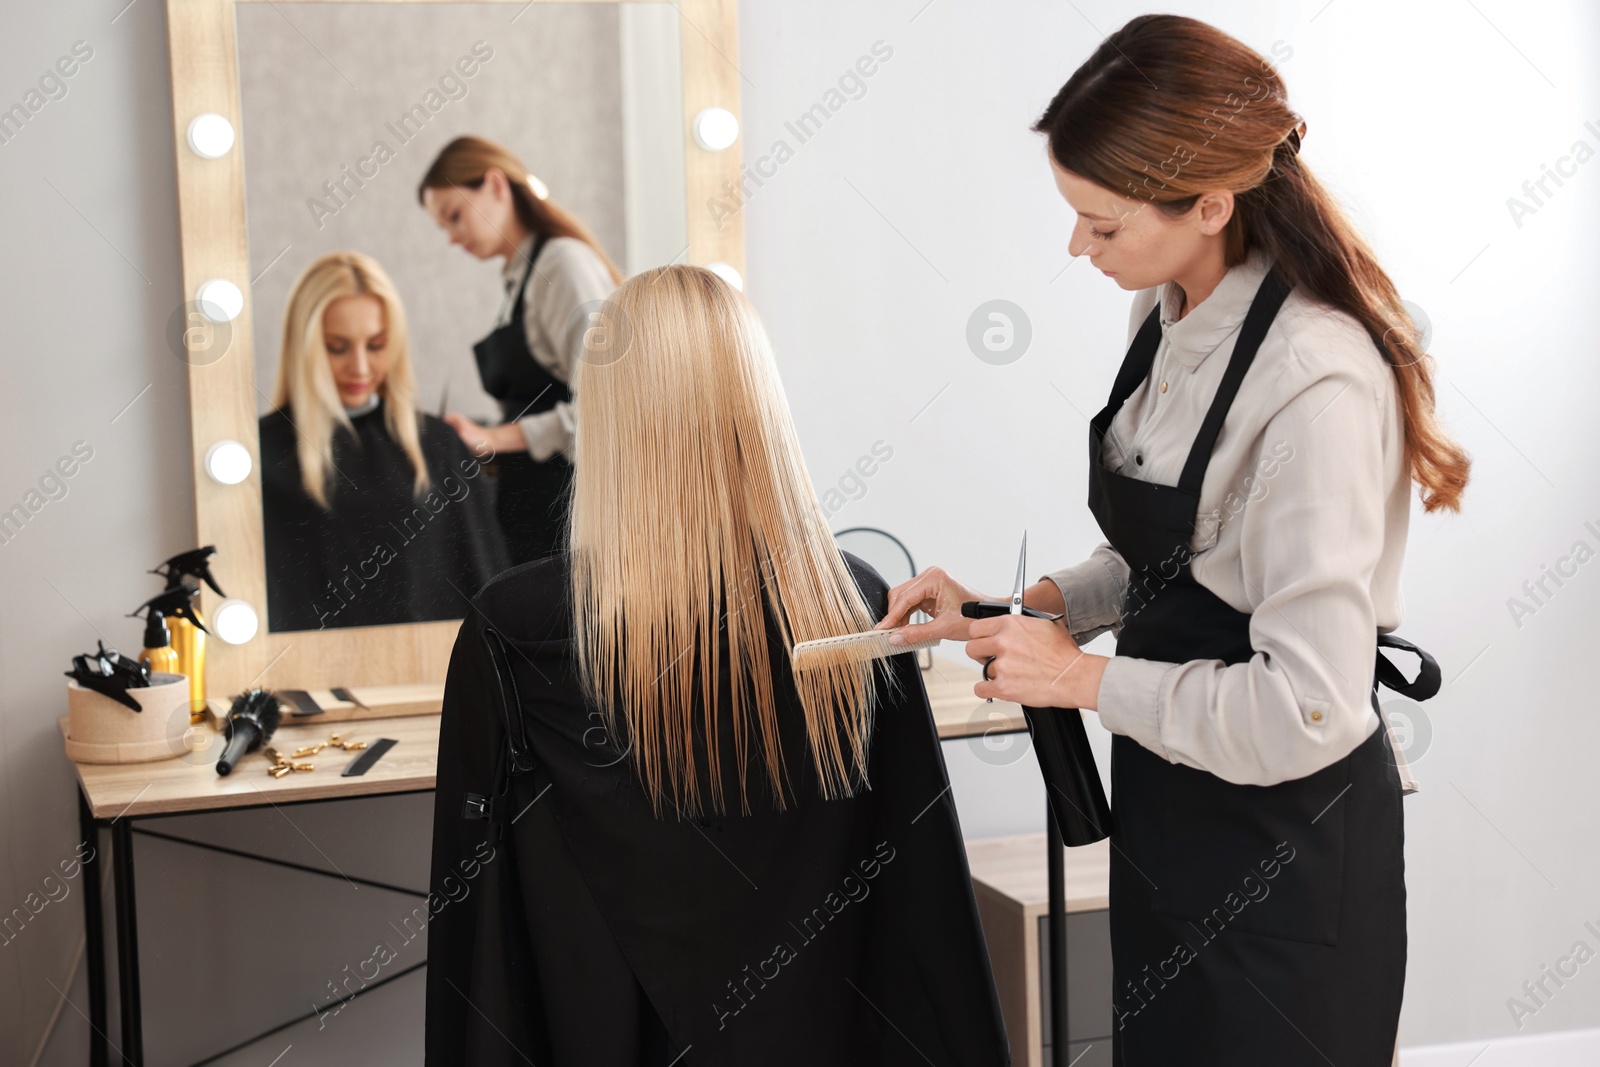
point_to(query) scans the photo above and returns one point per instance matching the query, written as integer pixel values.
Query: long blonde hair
(466, 160)
(692, 513)
(305, 381)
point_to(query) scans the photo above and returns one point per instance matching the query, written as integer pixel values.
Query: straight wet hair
(693, 516)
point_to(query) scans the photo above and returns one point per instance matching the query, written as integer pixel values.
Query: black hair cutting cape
(379, 554)
(570, 925)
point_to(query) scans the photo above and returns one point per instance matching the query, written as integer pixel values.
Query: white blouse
(1303, 518)
(567, 275)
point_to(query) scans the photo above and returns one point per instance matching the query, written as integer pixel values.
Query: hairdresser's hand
(1035, 663)
(487, 441)
(936, 593)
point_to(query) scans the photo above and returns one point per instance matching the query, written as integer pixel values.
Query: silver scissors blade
(1022, 576)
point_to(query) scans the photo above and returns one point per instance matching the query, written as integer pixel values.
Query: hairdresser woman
(1257, 892)
(486, 201)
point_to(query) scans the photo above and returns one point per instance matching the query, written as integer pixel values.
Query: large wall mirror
(303, 131)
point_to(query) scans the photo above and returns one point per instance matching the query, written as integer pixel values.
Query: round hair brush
(251, 722)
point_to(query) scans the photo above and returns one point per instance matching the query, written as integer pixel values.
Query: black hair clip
(110, 673)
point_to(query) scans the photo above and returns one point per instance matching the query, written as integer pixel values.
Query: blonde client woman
(555, 274)
(373, 512)
(654, 843)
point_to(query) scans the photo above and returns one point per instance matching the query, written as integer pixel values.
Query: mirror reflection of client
(680, 842)
(486, 201)
(374, 512)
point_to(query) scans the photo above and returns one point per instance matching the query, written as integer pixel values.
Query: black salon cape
(380, 554)
(838, 932)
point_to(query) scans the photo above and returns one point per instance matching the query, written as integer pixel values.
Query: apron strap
(1271, 294)
(533, 257)
(1136, 364)
(1428, 677)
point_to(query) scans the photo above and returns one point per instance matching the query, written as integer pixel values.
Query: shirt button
(1163, 387)
(1316, 716)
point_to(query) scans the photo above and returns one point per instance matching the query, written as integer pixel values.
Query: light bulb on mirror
(210, 136)
(220, 300)
(235, 621)
(228, 462)
(728, 273)
(715, 128)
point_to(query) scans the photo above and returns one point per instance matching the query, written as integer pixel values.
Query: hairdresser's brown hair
(465, 162)
(1168, 108)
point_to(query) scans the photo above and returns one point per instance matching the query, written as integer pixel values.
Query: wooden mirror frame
(211, 220)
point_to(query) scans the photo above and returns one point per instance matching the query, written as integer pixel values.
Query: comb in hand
(872, 644)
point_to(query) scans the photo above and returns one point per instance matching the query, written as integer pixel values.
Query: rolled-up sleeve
(1309, 547)
(1092, 592)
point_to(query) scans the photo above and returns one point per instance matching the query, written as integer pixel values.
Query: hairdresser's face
(483, 221)
(356, 334)
(1132, 241)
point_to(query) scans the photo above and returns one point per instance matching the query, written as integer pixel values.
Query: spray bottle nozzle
(196, 563)
(176, 602)
(156, 634)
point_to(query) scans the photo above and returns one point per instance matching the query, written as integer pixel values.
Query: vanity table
(125, 798)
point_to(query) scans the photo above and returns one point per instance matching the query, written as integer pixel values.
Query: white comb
(872, 644)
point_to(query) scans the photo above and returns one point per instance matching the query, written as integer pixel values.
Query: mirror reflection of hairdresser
(486, 201)
(1257, 887)
(373, 511)
(682, 851)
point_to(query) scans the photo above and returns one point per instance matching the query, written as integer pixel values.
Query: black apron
(1249, 924)
(531, 496)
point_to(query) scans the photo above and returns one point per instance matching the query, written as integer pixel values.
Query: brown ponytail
(1168, 108)
(466, 160)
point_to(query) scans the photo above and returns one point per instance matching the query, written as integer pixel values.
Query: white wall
(868, 249)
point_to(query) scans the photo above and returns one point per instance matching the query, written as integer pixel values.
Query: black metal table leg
(127, 942)
(94, 933)
(1058, 939)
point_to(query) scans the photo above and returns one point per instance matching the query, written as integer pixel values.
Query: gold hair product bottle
(184, 573)
(175, 606)
(189, 642)
(158, 653)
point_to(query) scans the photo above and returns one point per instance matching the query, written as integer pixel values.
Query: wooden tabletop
(1017, 868)
(193, 784)
(956, 712)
